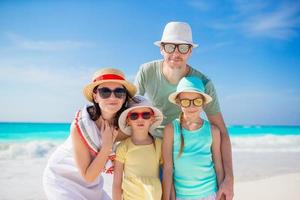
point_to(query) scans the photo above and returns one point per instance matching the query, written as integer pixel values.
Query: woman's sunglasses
(136, 115)
(187, 102)
(105, 92)
(182, 48)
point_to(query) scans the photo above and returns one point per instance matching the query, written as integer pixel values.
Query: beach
(257, 176)
(265, 166)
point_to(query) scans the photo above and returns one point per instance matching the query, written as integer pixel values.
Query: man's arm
(226, 187)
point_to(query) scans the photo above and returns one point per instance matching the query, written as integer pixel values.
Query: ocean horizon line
(227, 125)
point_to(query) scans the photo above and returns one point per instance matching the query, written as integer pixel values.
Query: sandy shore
(257, 176)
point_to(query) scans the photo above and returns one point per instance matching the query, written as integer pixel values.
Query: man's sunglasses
(182, 48)
(136, 115)
(105, 92)
(187, 102)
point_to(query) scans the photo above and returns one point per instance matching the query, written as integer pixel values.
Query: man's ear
(161, 50)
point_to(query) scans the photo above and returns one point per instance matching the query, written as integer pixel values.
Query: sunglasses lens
(169, 48)
(146, 115)
(104, 92)
(183, 48)
(133, 116)
(185, 102)
(198, 102)
(120, 93)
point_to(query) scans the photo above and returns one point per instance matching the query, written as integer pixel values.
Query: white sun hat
(177, 32)
(139, 102)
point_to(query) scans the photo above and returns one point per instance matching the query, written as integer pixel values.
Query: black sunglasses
(136, 115)
(182, 48)
(105, 92)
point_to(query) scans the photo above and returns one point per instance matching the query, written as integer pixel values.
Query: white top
(62, 179)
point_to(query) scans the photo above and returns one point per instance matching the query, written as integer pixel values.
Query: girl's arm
(90, 167)
(167, 153)
(117, 183)
(216, 153)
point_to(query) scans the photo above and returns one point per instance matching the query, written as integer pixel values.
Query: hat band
(108, 77)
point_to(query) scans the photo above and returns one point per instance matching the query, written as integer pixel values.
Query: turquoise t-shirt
(194, 174)
(151, 82)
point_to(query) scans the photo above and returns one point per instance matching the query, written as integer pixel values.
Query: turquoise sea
(38, 139)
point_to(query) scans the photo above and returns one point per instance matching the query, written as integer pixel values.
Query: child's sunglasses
(187, 102)
(105, 92)
(136, 115)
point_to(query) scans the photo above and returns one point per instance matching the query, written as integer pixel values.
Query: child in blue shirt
(191, 147)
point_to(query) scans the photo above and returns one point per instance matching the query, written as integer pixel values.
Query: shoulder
(150, 66)
(169, 131)
(200, 75)
(158, 141)
(123, 145)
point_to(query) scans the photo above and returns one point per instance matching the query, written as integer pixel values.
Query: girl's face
(110, 96)
(191, 103)
(140, 118)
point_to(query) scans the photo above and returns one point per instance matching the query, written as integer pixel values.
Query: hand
(225, 190)
(108, 133)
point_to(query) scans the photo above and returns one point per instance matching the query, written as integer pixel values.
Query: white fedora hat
(139, 102)
(177, 32)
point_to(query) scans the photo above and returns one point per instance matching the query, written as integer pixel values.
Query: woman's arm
(216, 153)
(167, 153)
(90, 167)
(117, 183)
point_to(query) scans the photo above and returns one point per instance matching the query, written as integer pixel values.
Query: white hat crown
(177, 32)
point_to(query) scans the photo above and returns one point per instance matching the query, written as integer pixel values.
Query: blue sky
(49, 50)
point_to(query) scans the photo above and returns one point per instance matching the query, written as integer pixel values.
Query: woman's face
(192, 98)
(110, 96)
(140, 118)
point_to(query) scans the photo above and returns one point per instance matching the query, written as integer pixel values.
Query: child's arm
(117, 182)
(167, 153)
(216, 153)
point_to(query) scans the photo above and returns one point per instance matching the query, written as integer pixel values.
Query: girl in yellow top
(136, 174)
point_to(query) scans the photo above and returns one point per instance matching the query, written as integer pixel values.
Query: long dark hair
(95, 111)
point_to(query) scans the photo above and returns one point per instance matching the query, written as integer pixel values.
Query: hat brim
(88, 89)
(157, 43)
(173, 96)
(158, 117)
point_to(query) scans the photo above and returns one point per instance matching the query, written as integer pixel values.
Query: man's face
(175, 55)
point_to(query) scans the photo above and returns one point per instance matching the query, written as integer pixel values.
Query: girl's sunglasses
(187, 102)
(105, 92)
(136, 115)
(170, 47)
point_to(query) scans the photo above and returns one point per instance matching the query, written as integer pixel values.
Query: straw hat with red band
(107, 75)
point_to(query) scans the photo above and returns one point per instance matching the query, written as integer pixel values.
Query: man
(157, 79)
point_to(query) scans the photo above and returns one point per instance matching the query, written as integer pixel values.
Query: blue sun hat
(190, 84)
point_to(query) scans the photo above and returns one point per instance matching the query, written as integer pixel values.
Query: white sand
(275, 188)
(258, 176)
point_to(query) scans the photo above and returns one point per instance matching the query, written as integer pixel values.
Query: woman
(74, 169)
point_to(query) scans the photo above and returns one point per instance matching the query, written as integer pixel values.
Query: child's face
(190, 102)
(140, 118)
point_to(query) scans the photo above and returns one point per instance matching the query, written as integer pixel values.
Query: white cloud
(261, 19)
(280, 24)
(200, 5)
(43, 45)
